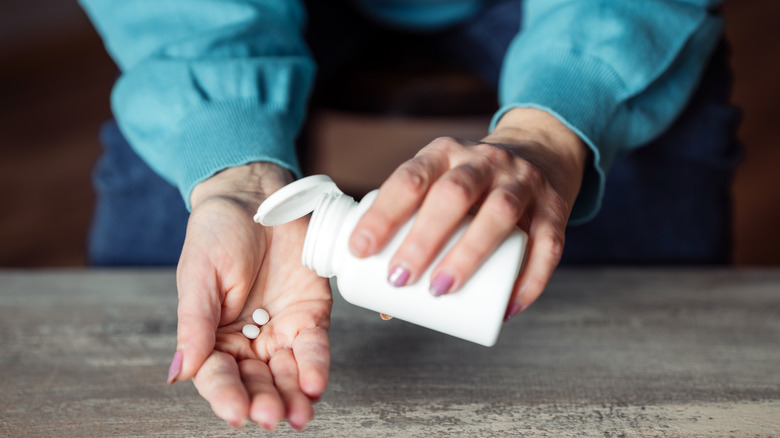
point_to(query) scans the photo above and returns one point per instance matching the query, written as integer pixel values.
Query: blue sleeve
(207, 84)
(617, 72)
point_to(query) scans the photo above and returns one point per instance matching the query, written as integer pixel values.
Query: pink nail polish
(237, 424)
(441, 284)
(175, 368)
(513, 310)
(398, 276)
(264, 421)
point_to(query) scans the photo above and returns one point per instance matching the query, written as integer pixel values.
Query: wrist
(250, 183)
(545, 141)
(531, 124)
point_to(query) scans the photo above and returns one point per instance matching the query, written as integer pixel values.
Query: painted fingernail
(513, 310)
(237, 423)
(398, 276)
(441, 284)
(175, 368)
(360, 244)
(298, 421)
(263, 419)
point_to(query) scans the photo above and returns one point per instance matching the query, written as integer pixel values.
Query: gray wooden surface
(603, 353)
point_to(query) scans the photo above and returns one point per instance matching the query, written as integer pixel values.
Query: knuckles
(495, 154)
(505, 203)
(461, 183)
(413, 176)
(455, 189)
(553, 243)
(445, 144)
(530, 177)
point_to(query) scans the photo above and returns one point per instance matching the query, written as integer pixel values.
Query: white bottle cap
(295, 200)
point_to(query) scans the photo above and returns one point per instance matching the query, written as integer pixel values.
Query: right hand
(231, 266)
(526, 173)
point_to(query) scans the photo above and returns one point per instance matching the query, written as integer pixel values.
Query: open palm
(229, 267)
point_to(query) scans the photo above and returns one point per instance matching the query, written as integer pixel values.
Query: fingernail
(175, 368)
(360, 244)
(270, 427)
(513, 310)
(264, 421)
(398, 276)
(298, 422)
(441, 284)
(237, 424)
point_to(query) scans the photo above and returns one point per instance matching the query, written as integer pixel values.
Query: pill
(261, 317)
(251, 331)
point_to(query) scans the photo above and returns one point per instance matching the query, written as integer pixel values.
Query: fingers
(219, 382)
(312, 353)
(285, 371)
(397, 199)
(545, 243)
(289, 383)
(443, 184)
(495, 220)
(266, 406)
(447, 203)
(478, 172)
(198, 317)
(266, 393)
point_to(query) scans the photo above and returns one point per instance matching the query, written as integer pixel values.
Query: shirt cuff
(583, 93)
(225, 135)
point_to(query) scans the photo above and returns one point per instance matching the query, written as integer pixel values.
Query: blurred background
(55, 81)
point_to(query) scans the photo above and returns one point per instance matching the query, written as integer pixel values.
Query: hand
(231, 266)
(527, 172)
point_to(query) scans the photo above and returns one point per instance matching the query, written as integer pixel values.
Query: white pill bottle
(475, 312)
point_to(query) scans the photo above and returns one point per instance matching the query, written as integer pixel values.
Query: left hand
(528, 172)
(231, 266)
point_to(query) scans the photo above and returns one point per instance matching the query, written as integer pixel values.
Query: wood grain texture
(604, 352)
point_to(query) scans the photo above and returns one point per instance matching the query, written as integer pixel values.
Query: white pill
(261, 317)
(251, 331)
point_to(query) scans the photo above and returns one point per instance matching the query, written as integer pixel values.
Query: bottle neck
(322, 236)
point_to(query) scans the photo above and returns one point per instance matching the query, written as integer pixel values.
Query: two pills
(261, 317)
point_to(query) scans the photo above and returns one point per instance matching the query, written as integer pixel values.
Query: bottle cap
(295, 200)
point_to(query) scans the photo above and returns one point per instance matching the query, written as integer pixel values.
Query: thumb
(198, 317)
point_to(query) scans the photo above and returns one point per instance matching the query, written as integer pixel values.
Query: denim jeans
(667, 203)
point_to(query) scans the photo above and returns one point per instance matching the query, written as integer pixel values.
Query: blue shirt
(211, 84)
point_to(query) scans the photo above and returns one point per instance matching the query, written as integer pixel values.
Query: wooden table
(604, 352)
